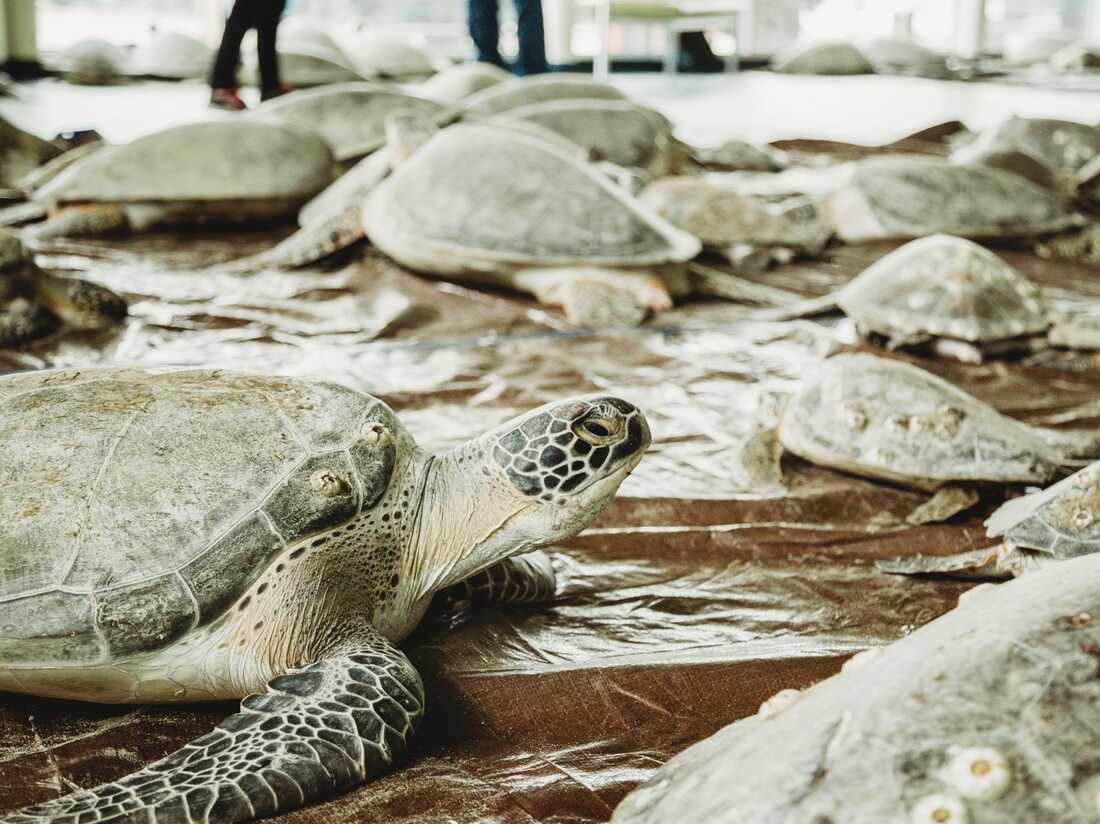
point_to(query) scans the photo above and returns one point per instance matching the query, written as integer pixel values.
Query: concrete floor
(754, 105)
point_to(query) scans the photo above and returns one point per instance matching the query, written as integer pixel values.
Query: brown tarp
(696, 596)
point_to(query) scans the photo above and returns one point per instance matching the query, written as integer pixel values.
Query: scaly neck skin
(461, 526)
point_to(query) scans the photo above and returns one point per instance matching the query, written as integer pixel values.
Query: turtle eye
(596, 431)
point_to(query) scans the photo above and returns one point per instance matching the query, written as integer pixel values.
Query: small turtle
(984, 715)
(749, 232)
(93, 62)
(1010, 159)
(228, 170)
(885, 419)
(1063, 145)
(458, 82)
(216, 535)
(172, 55)
(505, 207)
(350, 116)
(1076, 57)
(823, 58)
(525, 91)
(889, 55)
(895, 196)
(945, 292)
(35, 304)
(1060, 522)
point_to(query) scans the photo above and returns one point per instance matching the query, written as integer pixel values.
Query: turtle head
(565, 460)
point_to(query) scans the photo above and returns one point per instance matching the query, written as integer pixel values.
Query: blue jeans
(485, 31)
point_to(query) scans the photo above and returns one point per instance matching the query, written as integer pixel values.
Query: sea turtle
(1060, 522)
(93, 62)
(21, 153)
(350, 116)
(1076, 57)
(227, 170)
(890, 55)
(173, 55)
(985, 715)
(178, 536)
(524, 91)
(886, 419)
(749, 232)
(378, 54)
(308, 56)
(942, 291)
(460, 81)
(909, 196)
(1063, 145)
(505, 207)
(823, 58)
(34, 303)
(1012, 159)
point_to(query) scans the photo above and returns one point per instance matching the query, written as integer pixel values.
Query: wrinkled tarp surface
(696, 596)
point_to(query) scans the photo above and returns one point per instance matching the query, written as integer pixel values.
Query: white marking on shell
(854, 415)
(779, 702)
(978, 773)
(939, 809)
(860, 659)
(377, 434)
(974, 592)
(1082, 519)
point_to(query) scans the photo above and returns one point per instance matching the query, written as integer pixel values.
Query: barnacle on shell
(939, 809)
(979, 773)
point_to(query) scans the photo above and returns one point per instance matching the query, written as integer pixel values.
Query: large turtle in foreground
(989, 714)
(223, 171)
(216, 535)
(35, 304)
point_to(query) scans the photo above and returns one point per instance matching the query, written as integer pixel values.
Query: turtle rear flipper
(317, 731)
(80, 221)
(596, 298)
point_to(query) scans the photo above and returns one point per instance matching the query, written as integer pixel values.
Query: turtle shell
(138, 505)
(910, 197)
(1063, 145)
(477, 198)
(350, 116)
(454, 83)
(617, 131)
(172, 54)
(887, 419)
(824, 58)
(216, 161)
(525, 91)
(946, 287)
(1062, 521)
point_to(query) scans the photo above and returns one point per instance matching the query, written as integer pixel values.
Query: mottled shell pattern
(884, 418)
(139, 505)
(1062, 521)
(944, 286)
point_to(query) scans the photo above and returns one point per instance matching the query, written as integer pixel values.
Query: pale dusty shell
(778, 703)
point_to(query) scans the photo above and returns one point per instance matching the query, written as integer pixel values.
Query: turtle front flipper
(317, 731)
(23, 321)
(521, 579)
(309, 244)
(80, 303)
(80, 221)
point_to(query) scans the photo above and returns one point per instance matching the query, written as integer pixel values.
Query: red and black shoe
(227, 99)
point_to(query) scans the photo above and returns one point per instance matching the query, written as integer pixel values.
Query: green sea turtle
(1063, 145)
(171, 54)
(885, 419)
(379, 54)
(823, 58)
(986, 715)
(525, 91)
(1060, 522)
(93, 62)
(888, 55)
(909, 196)
(749, 232)
(350, 116)
(227, 170)
(34, 303)
(218, 535)
(506, 207)
(308, 56)
(458, 82)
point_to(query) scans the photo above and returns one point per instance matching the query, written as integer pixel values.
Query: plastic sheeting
(704, 589)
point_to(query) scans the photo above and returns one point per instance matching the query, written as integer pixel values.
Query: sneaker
(227, 99)
(284, 88)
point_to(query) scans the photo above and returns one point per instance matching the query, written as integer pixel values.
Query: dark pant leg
(485, 30)
(268, 13)
(532, 38)
(224, 73)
